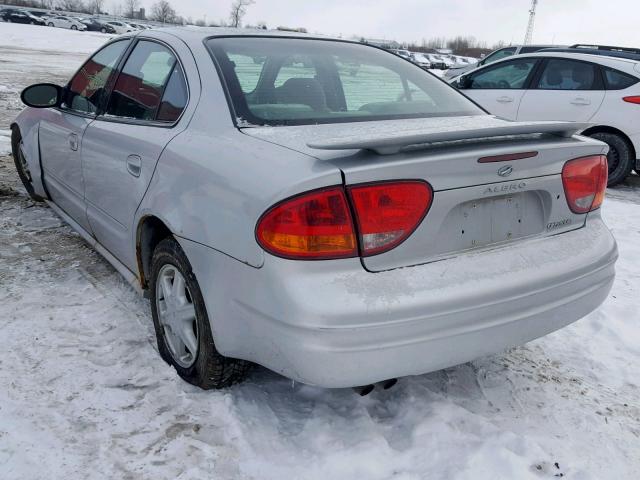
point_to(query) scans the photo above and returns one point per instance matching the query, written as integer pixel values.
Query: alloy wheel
(177, 315)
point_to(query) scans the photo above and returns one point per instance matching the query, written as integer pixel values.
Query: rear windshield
(285, 81)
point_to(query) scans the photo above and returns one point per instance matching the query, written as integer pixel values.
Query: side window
(175, 97)
(140, 85)
(499, 55)
(561, 74)
(617, 80)
(87, 88)
(510, 75)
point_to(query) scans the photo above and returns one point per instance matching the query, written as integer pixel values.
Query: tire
(50, 24)
(73, 27)
(620, 156)
(103, 30)
(207, 368)
(21, 165)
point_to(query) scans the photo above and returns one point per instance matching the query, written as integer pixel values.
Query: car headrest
(582, 75)
(305, 91)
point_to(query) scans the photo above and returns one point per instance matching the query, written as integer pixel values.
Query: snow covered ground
(84, 394)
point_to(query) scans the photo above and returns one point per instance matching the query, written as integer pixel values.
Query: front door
(62, 130)
(121, 148)
(566, 89)
(500, 87)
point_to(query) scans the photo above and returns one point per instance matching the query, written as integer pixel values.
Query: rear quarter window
(616, 80)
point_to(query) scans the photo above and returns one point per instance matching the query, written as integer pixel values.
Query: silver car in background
(338, 225)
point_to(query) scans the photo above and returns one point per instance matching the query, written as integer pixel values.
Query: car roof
(197, 34)
(623, 64)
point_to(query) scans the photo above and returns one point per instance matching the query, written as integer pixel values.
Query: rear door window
(175, 97)
(562, 74)
(140, 86)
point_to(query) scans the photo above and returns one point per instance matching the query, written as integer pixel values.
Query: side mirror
(42, 95)
(462, 82)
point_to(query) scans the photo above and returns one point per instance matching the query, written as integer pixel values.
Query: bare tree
(130, 6)
(71, 5)
(238, 11)
(162, 11)
(96, 6)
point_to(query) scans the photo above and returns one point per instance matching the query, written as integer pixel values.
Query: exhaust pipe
(367, 389)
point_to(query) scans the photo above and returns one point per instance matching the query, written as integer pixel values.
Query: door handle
(581, 101)
(504, 99)
(134, 165)
(73, 142)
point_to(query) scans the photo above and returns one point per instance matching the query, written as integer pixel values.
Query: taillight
(318, 225)
(585, 181)
(633, 99)
(314, 225)
(387, 213)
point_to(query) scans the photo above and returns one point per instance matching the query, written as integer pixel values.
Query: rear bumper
(335, 325)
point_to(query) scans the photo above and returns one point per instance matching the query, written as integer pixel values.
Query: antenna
(532, 17)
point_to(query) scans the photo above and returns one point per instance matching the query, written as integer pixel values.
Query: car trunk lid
(494, 182)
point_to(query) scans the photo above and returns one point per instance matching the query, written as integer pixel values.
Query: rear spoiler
(386, 142)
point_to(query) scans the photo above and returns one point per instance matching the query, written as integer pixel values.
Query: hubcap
(177, 316)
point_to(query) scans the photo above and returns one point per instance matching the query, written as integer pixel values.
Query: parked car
(436, 61)
(121, 27)
(40, 14)
(601, 91)
(403, 53)
(20, 16)
(95, 25)
(494, 56)
(421, 60)
(62, 21)
(448, 60)
(136, 26)
(338, 232)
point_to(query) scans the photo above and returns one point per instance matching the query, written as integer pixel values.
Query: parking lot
(84, 394)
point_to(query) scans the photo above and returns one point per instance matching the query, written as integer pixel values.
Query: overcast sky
(561, 21)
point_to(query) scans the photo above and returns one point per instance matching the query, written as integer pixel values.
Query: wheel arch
(608, 129)
(150, 232)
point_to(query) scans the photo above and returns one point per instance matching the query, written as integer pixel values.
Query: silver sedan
(324, 208)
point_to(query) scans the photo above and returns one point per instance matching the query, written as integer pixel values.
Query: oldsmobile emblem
(505, 171)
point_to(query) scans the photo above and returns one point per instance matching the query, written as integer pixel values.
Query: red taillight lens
(315, 225)
(633, 99)
(387, 213)
(585, 181)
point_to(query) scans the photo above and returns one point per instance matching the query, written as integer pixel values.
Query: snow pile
(34, 37)
(82, 389)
